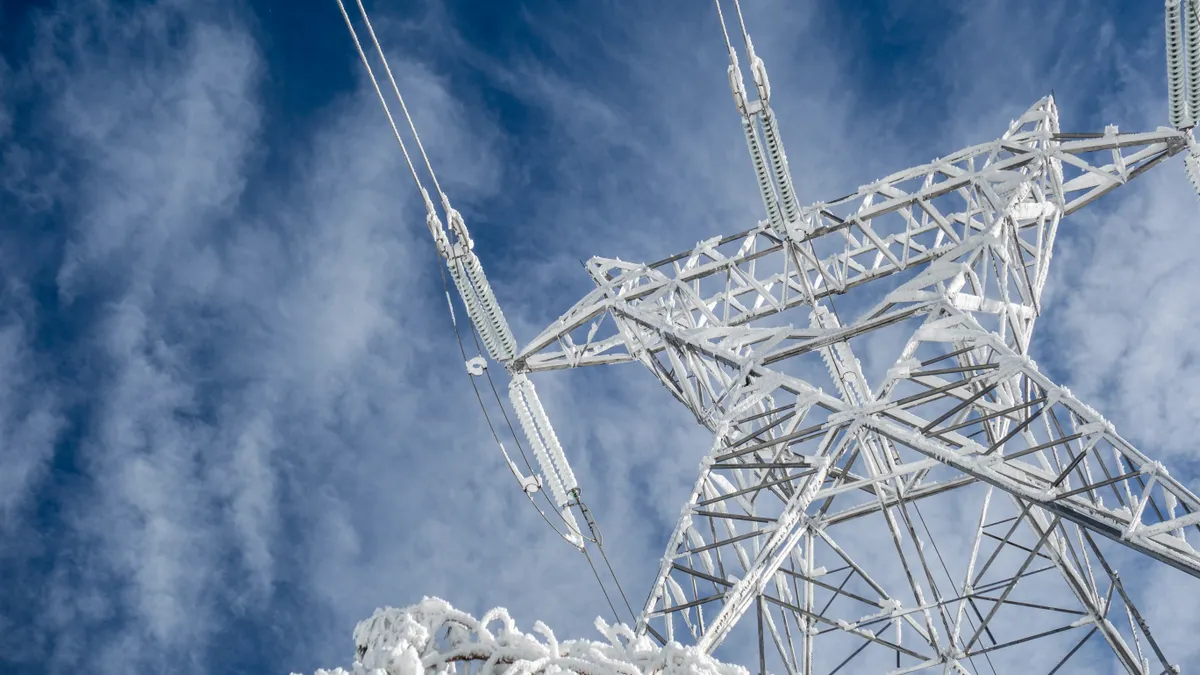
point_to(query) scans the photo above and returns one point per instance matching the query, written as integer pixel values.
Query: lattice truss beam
(946, 516)
(810, 507)
(1029, 178)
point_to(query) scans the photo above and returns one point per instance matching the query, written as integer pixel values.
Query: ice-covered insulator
(477, 292)
(505, 344)
(764, 178)
(573, 532)
(851, 368)
(546, 447)
(552, 445)
(1191, 21)
(458, 274)
(844, 369)
(1176, 67)
(549, 438)
(1192, 162)
(520, 405)
(456, 263)
(783, 176)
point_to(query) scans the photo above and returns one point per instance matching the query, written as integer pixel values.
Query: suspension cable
(478, 290)
(379, 92)
(416, 179)
(745, 34)
(387, 68)
(725, 31)
(483, 408)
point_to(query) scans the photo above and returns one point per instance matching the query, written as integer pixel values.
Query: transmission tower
(893, 485)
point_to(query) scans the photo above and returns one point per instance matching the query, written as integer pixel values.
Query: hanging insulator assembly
(783, 175)
(1176, 68)
(473, 286)
(458, 274)
(765, 188)
(1191, 21)
(543, 439)
(748, 111)
(546, 450)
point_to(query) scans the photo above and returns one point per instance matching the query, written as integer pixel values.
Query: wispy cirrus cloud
(240, 348)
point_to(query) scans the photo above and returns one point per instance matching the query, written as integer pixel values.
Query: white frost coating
(1155, 469)
(938, 332)
(1192, 162)
(525, 417)
(433, 637)
(456, 264)
(1176, 67)
(903, 369)
(541, 435)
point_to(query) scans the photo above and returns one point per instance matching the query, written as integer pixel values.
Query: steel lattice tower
(943, 508)
(805, 527)
(809, 454)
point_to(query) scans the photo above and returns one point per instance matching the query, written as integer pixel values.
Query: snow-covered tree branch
(433, 637)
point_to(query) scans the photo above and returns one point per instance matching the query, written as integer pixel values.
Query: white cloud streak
(276, 415)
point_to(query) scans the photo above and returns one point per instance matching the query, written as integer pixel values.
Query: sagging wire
(489, 326)
(379, 92)
(465, 268)
(459, 269)
(597, 537)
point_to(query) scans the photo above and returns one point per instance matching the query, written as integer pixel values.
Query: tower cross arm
(1031, 177)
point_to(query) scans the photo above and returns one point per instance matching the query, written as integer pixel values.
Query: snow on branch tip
(433, 637)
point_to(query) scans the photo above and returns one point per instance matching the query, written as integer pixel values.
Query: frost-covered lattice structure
(830, 518)
(893, 484)
(433, 637)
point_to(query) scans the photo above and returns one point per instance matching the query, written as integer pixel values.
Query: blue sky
(233, 417)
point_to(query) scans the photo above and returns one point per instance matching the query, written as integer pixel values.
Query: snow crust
(432, 637)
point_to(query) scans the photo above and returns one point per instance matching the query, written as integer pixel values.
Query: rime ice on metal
(938, 505)
(893, 484)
